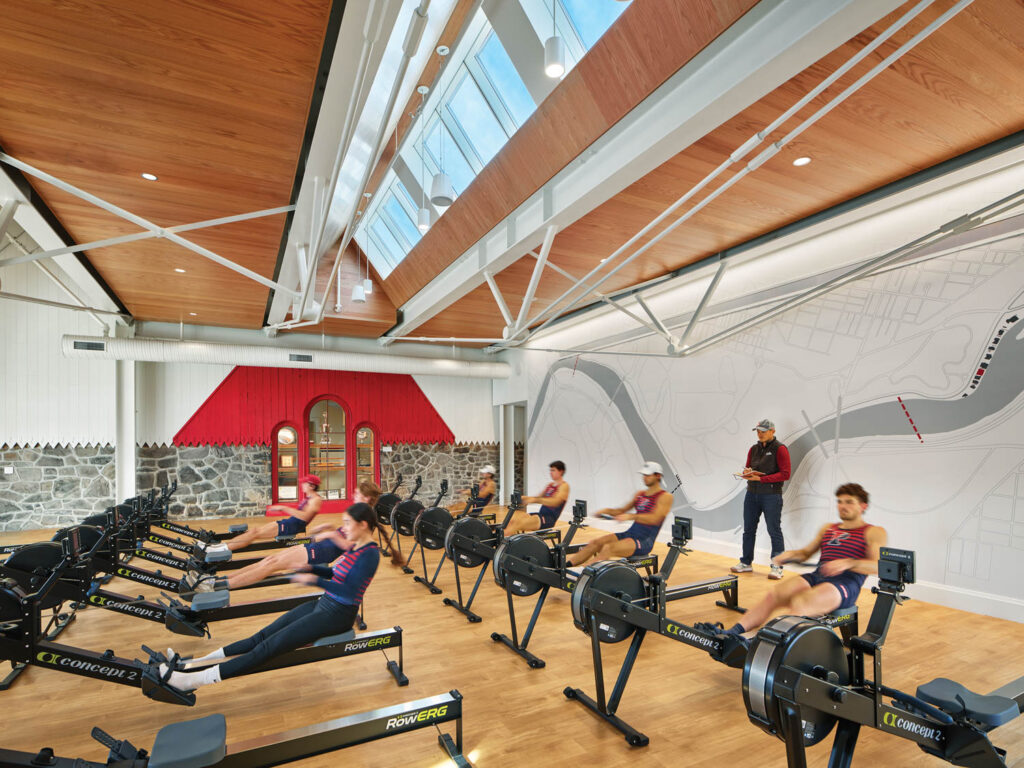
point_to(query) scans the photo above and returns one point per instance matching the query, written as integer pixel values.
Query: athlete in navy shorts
(552, 500)
(650, 507)
(849, 553)
(292, 525)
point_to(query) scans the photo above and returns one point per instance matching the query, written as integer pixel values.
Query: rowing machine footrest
(206, 601)
(191, 744)
(954, 699)
(217, 555)
(350, 635)
(154, 687)
(238, 528)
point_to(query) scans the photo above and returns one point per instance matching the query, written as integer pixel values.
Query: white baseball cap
(487, 469)
(651, 468)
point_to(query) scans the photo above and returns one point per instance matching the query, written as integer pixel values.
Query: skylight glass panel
(506, 81)
(455, 164)
(591, 18)
(401, 220)
(393, 250)
(469, 107)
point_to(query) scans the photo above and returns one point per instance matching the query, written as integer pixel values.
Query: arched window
(327, 448)
(286, 464)
(366, 454)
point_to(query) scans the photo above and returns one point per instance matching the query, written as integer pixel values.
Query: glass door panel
(287, 465)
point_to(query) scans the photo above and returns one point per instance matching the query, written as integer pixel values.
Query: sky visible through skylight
(485, 104)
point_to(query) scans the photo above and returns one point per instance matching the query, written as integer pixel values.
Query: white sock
(189, 681)
(215, 656)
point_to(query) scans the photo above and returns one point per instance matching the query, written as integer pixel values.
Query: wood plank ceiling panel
(211, 97)
(646, 45)
(368, 320)
(958, 90)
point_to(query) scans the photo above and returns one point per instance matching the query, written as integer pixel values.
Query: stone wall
(52, 487)
(213, 481)
(458, 464)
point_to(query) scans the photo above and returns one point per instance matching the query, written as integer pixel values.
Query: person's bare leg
(616, 549)
(591, 549)
(817, 601)
(265, 531)
(779, 597)
(522, 522)
(289, 560)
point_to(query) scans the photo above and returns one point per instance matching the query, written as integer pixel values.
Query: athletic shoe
(741, 567)
(711, 627)
(205, 584)
(776, 572)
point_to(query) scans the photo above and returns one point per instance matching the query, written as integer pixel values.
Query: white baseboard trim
(962, 599)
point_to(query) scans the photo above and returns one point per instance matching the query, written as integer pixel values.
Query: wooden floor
(689, 706)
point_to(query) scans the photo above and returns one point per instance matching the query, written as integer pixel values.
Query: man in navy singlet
(552, 500)
(650, 507)
(849, 553)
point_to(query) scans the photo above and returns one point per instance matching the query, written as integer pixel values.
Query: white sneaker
(776, 572)
(741, 567)
(205, 584)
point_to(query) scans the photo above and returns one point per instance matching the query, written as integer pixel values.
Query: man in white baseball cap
(649, 509)
(485, 491)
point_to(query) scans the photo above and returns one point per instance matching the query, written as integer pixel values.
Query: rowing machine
(799, 682)
(202, 743)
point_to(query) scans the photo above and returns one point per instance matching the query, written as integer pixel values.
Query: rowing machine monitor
(579, 512)
(896, 567)
(682, 531)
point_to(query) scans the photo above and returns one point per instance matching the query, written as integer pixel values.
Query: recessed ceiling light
(179, 269)
(150, 176)
(801, 161)
(191, 314)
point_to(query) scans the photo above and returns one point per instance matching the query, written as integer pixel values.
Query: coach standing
(767, 468)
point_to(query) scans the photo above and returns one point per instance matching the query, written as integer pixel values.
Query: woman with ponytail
(334, 613)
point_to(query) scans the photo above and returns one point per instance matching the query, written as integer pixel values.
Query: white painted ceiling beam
(766, 47)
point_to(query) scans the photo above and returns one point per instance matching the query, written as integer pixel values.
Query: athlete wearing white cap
(650, 507)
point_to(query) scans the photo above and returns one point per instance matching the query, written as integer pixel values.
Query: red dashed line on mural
(907, 414)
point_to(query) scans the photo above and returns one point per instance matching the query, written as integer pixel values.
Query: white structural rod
(59, 305)
(124, 447)
(703, 303)
(144, 223)
(7, 209)
(545, 249)
(499, 299)
(147, 235)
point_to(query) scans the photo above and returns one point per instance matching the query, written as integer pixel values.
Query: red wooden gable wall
(250, 402)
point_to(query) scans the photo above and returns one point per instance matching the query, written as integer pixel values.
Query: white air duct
(172, 351)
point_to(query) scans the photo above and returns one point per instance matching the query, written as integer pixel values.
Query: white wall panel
(45, 398)
(168, 394)
(464, 404)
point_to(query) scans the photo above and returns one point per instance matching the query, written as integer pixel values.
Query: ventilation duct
(172, 351)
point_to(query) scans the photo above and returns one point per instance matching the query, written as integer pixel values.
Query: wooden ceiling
(957, 90)
(212, 97)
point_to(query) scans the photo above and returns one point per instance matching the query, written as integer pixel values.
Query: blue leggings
(301, 626)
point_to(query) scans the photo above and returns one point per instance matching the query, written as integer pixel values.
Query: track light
(554, 57)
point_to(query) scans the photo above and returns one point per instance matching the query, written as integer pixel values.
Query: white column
(124, 448)
(508, 452)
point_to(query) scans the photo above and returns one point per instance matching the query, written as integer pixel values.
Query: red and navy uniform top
(838, 543)
(643, 504)
(351, 575)
(550, 490)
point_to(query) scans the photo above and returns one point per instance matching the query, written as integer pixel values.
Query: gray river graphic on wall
(997, 388)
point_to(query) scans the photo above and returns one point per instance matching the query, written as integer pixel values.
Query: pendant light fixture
(358, 292)
(367, 282)
(554, 49)
(423, 214)
(442, 193)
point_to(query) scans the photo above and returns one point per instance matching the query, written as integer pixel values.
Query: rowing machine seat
(238, 528)
(191, 744)
(207, 601)
(332, 639)
(953, 698)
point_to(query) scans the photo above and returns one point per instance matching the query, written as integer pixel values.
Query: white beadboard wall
(44, 397)
(167, 395)
(464, 404)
